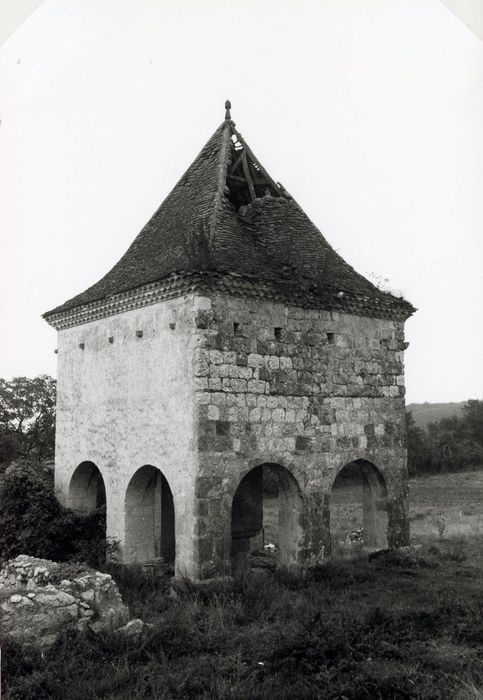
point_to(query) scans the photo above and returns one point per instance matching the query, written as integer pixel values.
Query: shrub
(32, 521)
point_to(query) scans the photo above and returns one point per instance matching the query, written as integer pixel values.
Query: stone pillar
(240, 549)
(315, 519)
(157, 515)
(212, 512)
(370, 517)
(398, 522)
(168, 544)
(246, 520)
(290, 521)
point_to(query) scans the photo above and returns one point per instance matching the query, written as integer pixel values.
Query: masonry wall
(306, 389)
(128, 403)
(216, 386)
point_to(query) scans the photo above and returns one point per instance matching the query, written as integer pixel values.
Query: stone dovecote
(228, 341)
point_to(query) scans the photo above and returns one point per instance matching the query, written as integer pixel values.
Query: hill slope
(424, 413)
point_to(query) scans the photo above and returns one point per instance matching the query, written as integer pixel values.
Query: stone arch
(149, 529)
(87, 491)
(359, 508)
(247, 515)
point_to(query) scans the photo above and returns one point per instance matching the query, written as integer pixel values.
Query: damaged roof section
(247, 180)
(228, 219)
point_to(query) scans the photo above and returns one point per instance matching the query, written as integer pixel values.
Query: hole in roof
(246, 179)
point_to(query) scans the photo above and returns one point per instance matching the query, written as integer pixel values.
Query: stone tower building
(230, 341)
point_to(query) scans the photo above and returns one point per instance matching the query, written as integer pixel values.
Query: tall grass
(387, 627)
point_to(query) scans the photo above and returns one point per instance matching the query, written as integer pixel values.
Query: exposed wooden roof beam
(236, 163)
(237, 179)
(248, 176)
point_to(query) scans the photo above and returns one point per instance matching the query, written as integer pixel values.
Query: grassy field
(451, 503)
(370, 628)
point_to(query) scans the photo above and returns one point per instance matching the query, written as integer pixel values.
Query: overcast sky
(369, 112)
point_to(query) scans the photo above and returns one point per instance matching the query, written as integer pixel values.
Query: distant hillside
(424, 413)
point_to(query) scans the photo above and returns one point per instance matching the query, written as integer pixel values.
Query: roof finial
(227, 109)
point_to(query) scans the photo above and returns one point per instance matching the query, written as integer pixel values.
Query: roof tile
(212, 232)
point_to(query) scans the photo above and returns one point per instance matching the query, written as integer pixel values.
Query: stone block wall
(125, 399)
(204, 389)
(306, 389)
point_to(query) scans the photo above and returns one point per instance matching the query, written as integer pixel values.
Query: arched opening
(265, 518)
(149, 518)
(358, 509)
(87, 492)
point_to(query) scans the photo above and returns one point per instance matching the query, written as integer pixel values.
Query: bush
(450, 444)
(32, 521)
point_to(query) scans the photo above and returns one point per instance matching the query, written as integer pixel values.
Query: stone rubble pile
(36, 605)
(27, 571)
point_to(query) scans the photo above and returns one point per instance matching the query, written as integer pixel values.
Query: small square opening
(172, 326)
(277, 332)
(331, 338)
(237, 329)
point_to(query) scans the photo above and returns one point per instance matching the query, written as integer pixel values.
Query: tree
(446, 438)
(448, 444)
(473, 419)
(419, 458)
(32, 521)
(27, 418)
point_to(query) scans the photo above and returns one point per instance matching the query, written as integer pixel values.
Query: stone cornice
(177, 285)
(118, 303)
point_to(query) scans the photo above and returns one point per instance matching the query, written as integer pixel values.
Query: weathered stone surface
(23, 570)
(131, 403)
(234, 384)
(38, 616)
(327, 389)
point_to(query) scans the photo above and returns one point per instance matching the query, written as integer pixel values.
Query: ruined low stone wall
(308, 389)
(40, 599)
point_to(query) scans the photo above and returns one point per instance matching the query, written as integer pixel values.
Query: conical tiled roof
(228, 227)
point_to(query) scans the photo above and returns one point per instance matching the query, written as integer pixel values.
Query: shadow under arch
(149, 528)
(359, 508)
(248, 515)
(87, 491)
